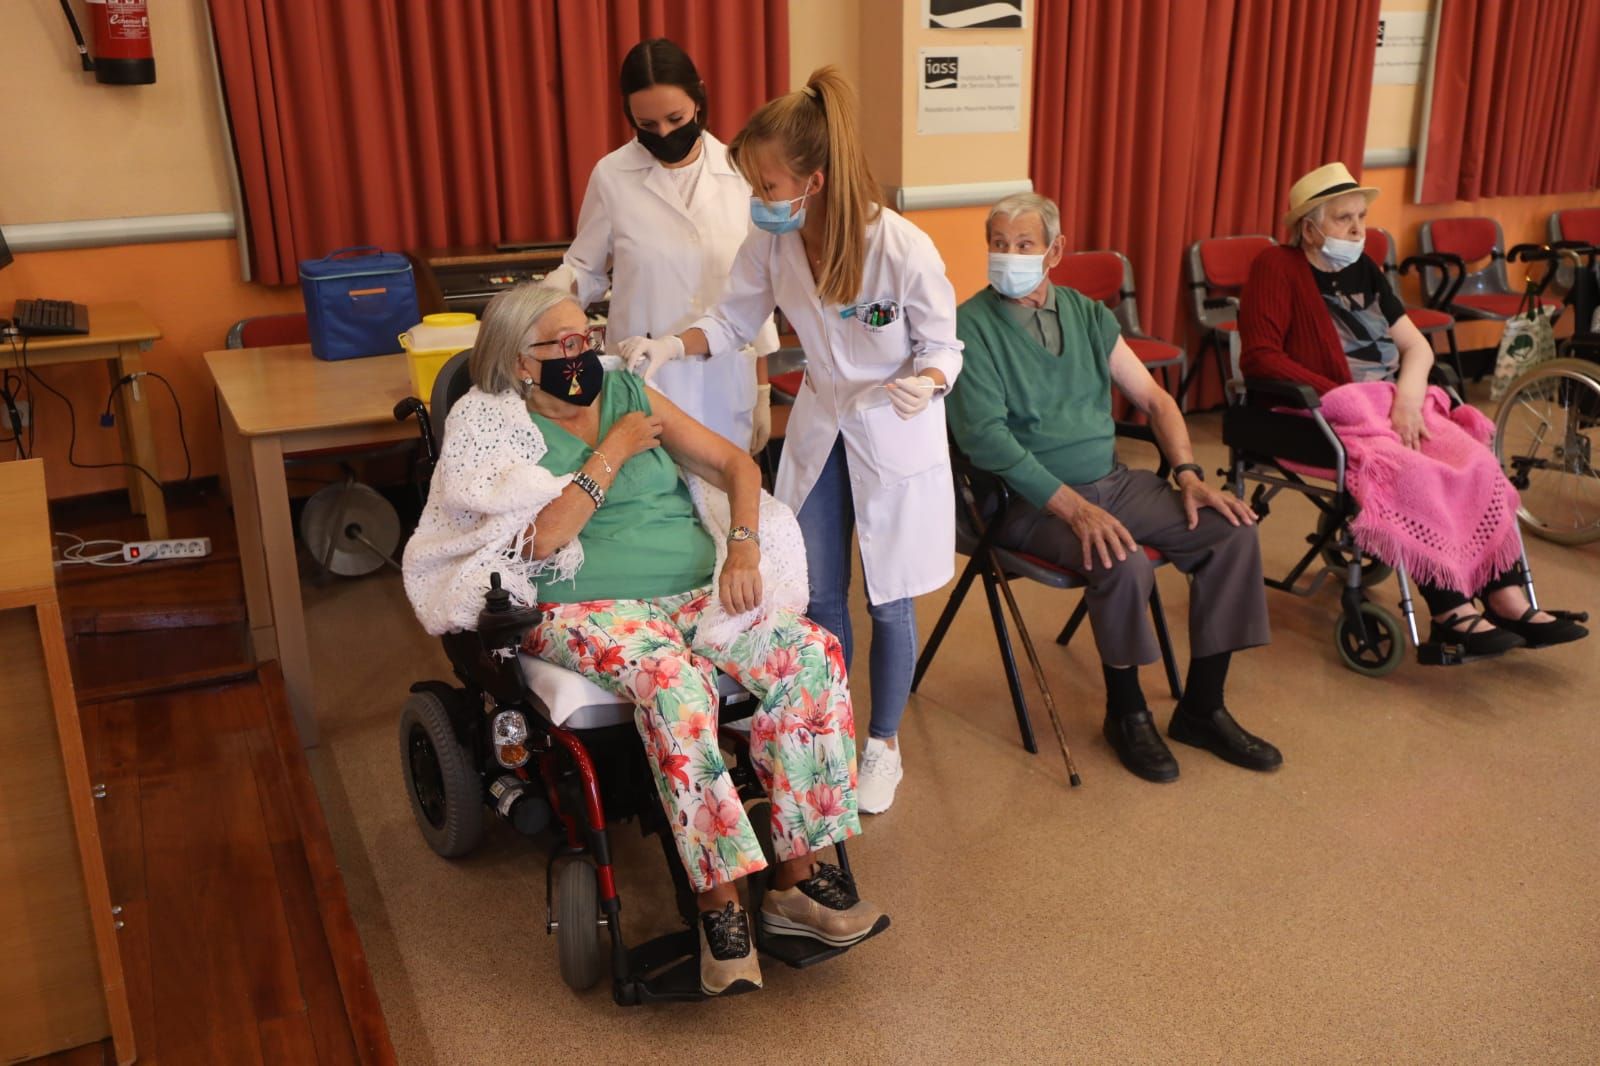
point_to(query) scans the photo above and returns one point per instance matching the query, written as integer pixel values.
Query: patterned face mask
(576, 380)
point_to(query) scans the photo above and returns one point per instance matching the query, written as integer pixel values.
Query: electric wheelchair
(490, 739)
(1278, 439)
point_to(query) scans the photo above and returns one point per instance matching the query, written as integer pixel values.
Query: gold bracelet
(600, 455)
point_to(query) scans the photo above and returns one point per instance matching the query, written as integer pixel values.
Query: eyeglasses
(575, 344)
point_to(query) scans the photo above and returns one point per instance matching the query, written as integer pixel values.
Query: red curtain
(1181, 121)
(1513, 109)
(418, 124)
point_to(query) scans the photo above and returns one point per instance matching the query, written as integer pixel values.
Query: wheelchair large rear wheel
(445, 789)
(1545, 432)
(578, 944)
(1376, 653)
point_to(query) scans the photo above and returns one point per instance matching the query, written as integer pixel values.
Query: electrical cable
(72, 430)
(74, 553)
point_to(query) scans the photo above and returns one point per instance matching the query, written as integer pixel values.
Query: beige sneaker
(823, 907)
(727, 956)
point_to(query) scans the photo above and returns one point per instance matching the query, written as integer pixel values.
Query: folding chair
(981, 498)
(1428, 320)
(1218, 270)
(1108, 278)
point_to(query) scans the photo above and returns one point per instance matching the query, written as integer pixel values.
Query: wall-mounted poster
(970, 90)
(1402, 46)
(974, 14)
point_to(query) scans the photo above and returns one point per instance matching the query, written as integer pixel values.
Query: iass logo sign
(939, 72)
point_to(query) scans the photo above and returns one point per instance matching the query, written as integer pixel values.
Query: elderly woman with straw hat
(1319, 311)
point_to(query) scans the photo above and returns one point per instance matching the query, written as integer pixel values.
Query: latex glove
(761, 419)
(645, 357)
(563, 279)
(911, 396)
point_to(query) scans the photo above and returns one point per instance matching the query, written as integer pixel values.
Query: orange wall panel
(192, 290)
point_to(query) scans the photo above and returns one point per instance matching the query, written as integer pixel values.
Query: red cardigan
(1285, 331)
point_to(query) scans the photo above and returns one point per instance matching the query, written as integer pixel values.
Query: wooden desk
(61, 983)
(118, 333)
(280, 400)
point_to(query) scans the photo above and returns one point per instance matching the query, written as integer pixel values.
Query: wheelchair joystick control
(500, 624)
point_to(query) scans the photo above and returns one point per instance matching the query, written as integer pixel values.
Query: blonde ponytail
(817, 128)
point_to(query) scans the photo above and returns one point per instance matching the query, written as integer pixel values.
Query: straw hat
(1321, 185)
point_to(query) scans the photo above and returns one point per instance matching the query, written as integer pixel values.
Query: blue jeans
(827, 520)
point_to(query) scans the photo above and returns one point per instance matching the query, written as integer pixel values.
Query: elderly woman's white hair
(506, 321)
(1022, 203)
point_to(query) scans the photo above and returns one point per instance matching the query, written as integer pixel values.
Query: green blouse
(647, 540)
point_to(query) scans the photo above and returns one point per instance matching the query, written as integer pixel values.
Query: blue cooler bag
(358, 302)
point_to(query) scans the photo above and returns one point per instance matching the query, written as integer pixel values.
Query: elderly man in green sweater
(1034, 406)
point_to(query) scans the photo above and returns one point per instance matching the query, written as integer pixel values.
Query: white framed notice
(1402, 46)
(975, 14)
(975, 89)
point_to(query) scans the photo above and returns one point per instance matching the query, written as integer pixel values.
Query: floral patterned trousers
(802, 736)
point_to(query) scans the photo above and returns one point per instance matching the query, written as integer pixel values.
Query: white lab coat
(900, 478)
(669, 264)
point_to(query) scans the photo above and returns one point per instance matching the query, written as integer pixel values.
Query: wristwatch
(738, 533)
(1192, 467)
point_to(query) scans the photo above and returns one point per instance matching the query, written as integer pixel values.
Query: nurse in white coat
(666, 214)
(867, 295)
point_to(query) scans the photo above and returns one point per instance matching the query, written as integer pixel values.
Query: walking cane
(1027, 641)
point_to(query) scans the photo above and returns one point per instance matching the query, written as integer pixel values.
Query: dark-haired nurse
(665, 213)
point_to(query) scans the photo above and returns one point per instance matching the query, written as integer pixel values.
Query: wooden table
(118, 333)
(276, 401)
(61, 981)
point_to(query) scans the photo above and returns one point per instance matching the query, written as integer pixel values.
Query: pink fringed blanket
(1446, 513)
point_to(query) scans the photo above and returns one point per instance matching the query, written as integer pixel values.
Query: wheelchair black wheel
(1374, 571)
(445, 789)
(1377, 657)
(578, 944)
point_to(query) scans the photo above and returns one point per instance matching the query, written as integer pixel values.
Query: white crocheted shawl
(485, 497)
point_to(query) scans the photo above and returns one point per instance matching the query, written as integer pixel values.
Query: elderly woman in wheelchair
(1318, 314)
(563, 479)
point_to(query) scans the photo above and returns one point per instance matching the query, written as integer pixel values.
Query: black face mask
(577, 380)
(671, 147)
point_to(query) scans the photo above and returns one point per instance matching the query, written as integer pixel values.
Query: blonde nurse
(865, 449)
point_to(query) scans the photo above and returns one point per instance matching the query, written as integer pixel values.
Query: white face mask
(1015, 275)
(1339, 252)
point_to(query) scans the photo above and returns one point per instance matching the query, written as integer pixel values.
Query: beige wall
(1395, 115)
(81, 150)
(822, 32)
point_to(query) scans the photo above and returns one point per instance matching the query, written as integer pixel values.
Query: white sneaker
(880, 772)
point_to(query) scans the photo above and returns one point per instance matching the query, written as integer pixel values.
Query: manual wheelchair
(492, 739)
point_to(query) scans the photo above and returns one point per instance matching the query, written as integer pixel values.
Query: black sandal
(1563, 627)
(1474, 644)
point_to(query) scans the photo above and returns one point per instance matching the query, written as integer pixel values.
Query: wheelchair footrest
(1444, 653)
(666, 969)
(801, 951)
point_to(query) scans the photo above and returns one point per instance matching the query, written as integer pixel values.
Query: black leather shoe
(1563, 627)
(1134, 737)
(1219, 734)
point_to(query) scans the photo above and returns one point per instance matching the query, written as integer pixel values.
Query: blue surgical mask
(1339, 252)
(779, 217)
(1015, 275)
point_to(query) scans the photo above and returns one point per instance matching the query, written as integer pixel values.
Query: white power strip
(143, 551)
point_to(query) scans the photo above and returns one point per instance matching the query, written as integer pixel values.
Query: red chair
(267, 331)
(1108, 278)
(1428, 320)
(1218, 270)
(1576, 224)
(1484, 293)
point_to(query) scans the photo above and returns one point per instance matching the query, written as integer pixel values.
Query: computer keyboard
(47, 317)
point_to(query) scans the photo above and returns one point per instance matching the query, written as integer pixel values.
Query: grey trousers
(1227, 600)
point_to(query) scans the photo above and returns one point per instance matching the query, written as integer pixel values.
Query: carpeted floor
(1417, 884)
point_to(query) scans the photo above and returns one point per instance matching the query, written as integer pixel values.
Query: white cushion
(578, 703)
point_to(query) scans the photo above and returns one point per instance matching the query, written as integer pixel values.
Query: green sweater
(1037, 419)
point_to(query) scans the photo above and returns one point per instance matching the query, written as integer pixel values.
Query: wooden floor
(237, 940)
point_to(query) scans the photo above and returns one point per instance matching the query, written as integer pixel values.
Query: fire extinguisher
(122, 50)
